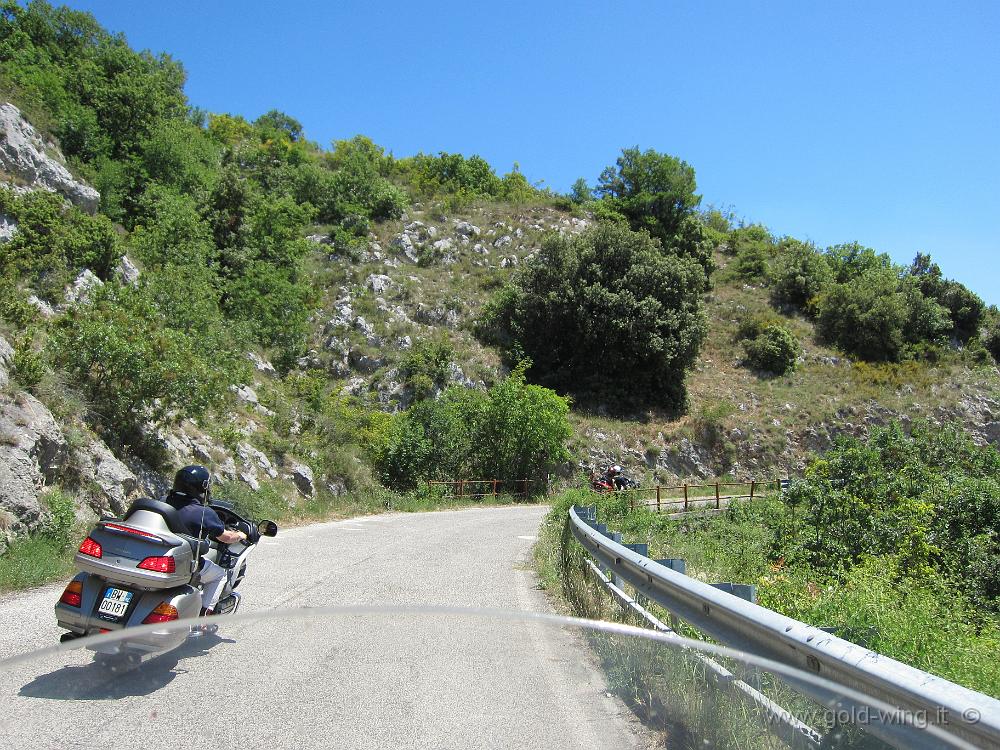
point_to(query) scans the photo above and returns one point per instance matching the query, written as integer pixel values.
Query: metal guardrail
(733, 622)
(794, 733)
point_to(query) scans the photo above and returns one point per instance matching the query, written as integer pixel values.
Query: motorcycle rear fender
(82, 620)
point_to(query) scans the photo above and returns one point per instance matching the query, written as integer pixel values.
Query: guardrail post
(743, 590)
(616, 536)
(674, 563)
(752, 484)
(494, 490)
(718, 500)
(657, 498)
(685, 497)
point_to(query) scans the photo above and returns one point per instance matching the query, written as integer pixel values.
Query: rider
(190, 496)
(616, 478)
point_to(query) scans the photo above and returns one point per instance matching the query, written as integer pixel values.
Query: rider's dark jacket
(201, 520)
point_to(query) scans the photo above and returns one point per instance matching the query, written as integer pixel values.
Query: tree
(581, 192)
(654, 191)
(965, 308)
(605, 315)
(865, 317)
(799, 274)
(512, 431)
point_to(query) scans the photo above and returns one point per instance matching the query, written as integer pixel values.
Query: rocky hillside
(424, 277)
(39, 450)
(428, 275)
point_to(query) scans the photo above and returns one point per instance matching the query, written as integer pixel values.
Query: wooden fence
(686, 497)
(519, 489)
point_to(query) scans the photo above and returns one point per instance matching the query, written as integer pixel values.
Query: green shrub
(606, 315)
(53, 243)
(14, 305)
(866, 317)
(751, 264)
(61, 519)
(991, 339)
(29, 366)
(267, 502)
(754, 237)
(799, 274)
(131, 366)
(964, 308)
(513, 431)
(774, 349)
(581, 192)
(272, 304)
(472, 178)
(751, 326)
(852, 260)
(425, 367)
(881, 316)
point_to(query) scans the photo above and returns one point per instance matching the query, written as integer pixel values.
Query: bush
(964, 308)
(853, 260)
(53, 243)
(991, 340)
(131, 366)
(271, 304)
(607, 314)
(931, 498)
(61, 518)
(799, 275)
(754, 237)
(774, 349)
(513, 431)
(424, 368)
(751, 264)
(866, 317)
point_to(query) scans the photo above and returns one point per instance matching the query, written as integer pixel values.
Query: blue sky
(875, 122)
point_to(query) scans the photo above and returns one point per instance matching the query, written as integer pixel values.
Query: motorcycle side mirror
(267, 528)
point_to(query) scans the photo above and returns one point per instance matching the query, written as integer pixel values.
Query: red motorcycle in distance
(611, 480)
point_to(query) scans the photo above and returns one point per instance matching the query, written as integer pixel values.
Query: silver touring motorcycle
(143, 570)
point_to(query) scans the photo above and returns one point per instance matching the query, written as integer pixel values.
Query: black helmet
(193, 481)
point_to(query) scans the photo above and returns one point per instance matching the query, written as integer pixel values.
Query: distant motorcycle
(611, 480)
(143, 570)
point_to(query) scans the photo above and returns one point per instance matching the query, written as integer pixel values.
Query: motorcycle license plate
(115, 603)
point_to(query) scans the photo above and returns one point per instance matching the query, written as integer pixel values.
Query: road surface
(384, 680)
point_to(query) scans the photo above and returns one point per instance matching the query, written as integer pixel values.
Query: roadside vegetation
(890, 541)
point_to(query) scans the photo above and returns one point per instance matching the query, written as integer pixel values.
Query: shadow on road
(98, 681)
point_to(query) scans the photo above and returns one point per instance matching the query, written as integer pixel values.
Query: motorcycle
(143, 570)
(610, 482)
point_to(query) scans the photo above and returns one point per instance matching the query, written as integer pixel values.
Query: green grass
(34, 561)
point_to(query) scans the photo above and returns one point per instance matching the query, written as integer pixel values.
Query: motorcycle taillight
(163, 612)
(159, 564)
(90, 548)
(73, 595)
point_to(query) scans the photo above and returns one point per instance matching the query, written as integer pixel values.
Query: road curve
(358, 681)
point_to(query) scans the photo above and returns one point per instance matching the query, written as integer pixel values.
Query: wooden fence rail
(473, 488)
(674, 498)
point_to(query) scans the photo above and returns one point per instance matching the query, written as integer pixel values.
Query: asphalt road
(305, 678)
